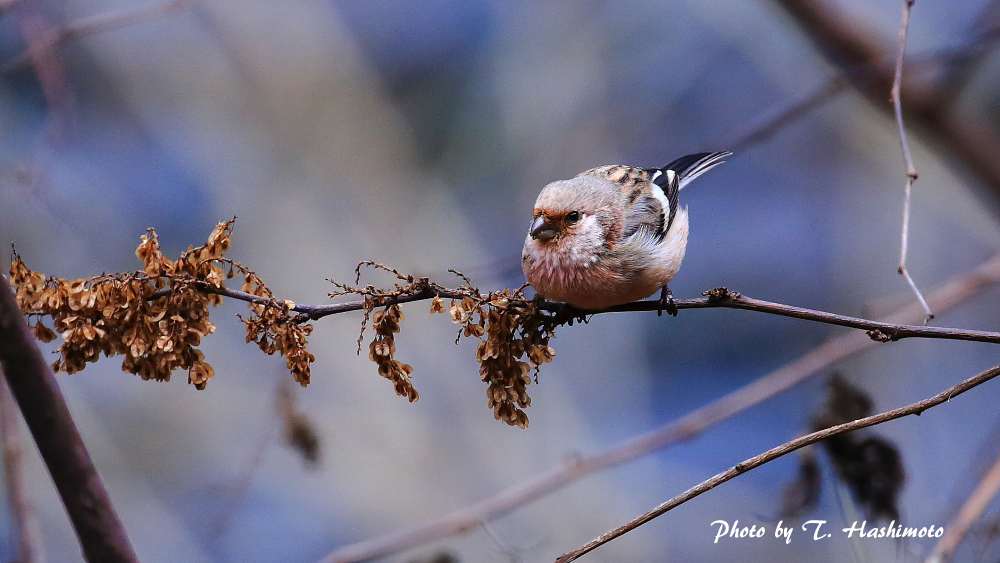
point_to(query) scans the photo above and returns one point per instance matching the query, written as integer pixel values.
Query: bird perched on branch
(612, 234)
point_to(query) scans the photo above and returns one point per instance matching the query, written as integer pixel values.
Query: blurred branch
(778, 451)
(236, 490)
(962, 68)
(911, 171)
(102, 537)
(767, 126)
(954, 64)
(969, 513)
(35, 27)
(25, 531)
(99, 23)
(6, 5)
(847, 43)
(459, 522)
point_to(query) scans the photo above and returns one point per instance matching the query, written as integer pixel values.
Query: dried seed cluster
(157, 316)
(515, 331)
(383, 347)
(274, 329)
(870, 465)
(154, 317)
(514, 335)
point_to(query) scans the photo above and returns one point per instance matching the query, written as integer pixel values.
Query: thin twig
(954, 62)
(101, 534)
(25, 529)
(911, 171)
(459, 522)
(718, 297)
(778, 451)
(969, 513)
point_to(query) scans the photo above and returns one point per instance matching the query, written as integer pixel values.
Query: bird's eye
(573, 216)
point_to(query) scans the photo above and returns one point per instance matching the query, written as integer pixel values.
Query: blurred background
(418, 134)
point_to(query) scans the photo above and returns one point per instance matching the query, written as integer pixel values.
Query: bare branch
(715, 298)
(778, 451)
(684, 428)
(911, 172)
(969, 513)
(101, 535)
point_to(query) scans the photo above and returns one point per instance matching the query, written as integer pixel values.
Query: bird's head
(576, 209)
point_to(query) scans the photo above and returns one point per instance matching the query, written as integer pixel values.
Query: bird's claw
(666, 303)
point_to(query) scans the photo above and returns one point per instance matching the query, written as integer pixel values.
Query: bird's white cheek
(585, 244)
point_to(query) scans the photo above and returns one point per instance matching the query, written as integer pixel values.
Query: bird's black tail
(691, 166)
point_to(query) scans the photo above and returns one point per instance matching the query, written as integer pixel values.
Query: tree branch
(102, 537)
(719, 297)
(778, 451)
(686, 427)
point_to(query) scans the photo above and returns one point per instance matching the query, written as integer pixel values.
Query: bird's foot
(666, 303)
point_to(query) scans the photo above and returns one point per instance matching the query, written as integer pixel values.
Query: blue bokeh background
(418, 134)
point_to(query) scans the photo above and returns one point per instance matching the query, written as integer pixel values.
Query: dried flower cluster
(383, 347)
(274, 329)
(514, 335)
(154, 317)
(515, 330)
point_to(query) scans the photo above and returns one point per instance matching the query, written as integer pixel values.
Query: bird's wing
(643, 203)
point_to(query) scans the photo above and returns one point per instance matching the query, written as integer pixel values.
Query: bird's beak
(542, 229)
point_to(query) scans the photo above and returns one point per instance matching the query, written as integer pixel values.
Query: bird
(612, 234)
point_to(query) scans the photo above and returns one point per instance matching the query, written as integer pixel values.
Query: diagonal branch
(98, 23)
(683, 428)
(778, 451)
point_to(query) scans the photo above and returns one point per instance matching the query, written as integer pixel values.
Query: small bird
(612, 234)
